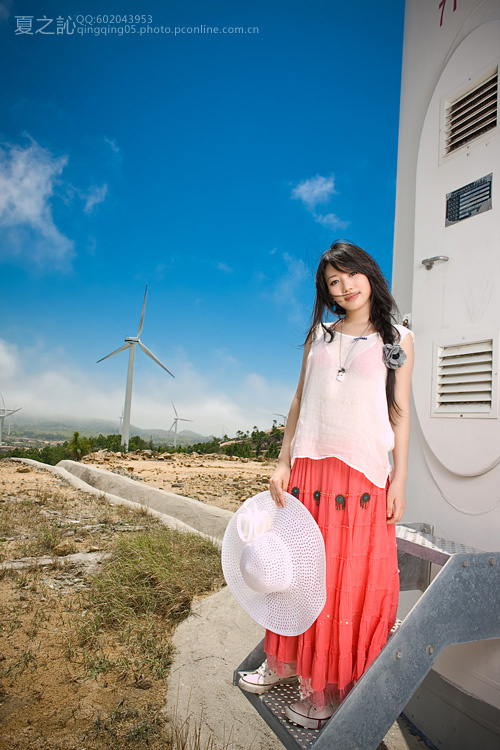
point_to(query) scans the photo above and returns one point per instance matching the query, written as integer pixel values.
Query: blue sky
(213, 167)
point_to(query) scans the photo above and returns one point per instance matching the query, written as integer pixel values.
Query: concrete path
(209, 645)
(205, 518)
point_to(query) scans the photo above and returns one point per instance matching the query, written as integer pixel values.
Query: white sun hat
(274, 563)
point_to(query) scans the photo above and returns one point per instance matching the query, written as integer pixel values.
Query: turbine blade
(121, 349)
(181, 419)
(155, 359)
(173, 425)
(143, 311)
(3, 400)
(174, 408)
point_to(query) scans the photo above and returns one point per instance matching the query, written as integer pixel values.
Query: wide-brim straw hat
(274, 563)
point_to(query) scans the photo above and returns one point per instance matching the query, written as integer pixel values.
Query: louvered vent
(465, 378)
(472, 114)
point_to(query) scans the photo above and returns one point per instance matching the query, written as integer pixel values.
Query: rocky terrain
(225, 481)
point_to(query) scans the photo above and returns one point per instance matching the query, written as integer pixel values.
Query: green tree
(78, 446)
(258, 438)
(136, 443)
(273, 451)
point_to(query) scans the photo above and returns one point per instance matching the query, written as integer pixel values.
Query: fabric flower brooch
(394, 356)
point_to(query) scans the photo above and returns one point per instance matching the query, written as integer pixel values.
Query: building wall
(461, 505)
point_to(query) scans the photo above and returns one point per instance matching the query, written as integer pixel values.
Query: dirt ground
(225, 481)
(55, 694)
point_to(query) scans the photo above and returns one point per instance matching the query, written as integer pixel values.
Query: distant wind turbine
(130, 343)
(174, 424)
(4, 412)
(281, 415)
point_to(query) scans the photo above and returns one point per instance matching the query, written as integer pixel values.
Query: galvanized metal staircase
(461, 604)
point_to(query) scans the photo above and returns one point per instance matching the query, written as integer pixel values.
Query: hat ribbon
(253, 523)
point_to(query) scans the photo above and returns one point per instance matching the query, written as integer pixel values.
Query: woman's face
(350, 289)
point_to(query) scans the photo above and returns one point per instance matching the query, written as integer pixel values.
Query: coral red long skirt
(362, 580)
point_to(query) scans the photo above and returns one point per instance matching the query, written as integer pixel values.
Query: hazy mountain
(63, 427)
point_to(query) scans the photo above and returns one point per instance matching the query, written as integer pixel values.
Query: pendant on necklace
(341, 374)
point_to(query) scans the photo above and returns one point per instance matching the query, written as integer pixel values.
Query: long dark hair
(345, 257)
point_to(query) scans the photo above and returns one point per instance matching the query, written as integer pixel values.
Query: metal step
(413, 539)
(272, 705)
(460, 605)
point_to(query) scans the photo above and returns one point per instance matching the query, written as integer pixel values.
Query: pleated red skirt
(362, 580)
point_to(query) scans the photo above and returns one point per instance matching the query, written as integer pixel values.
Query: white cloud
(9, 362)
(224, 268)
(318, 190)
(112, 144)
(287, 290)
(315, 190)
(47, 385)
(27, 179)
(290, 281)
(95, 196)
(224, 357)
(331, 221)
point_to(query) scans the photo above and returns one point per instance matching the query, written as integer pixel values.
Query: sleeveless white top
(348, 420)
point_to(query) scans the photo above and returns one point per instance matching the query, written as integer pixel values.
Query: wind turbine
(4, 412)
(281, 415)
(130, 344)
(174, 424)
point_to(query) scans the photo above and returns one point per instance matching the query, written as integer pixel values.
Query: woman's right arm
(279, 480)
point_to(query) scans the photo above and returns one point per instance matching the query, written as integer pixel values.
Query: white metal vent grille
(472, 114)
(465, 378)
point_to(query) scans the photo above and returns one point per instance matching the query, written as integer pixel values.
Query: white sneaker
(306, 715)
(263, 679)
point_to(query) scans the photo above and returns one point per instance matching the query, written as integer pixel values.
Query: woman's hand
(396, 501)
(278, 483)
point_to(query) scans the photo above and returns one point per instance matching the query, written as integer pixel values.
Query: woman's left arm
(396, 497)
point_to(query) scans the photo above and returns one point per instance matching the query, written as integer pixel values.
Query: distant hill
(63, 427)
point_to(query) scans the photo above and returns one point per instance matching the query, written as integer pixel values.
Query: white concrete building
(448, 206)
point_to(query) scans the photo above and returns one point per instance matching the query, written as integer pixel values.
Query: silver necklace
(342, 369)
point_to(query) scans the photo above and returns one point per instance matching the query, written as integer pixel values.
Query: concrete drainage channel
(218, 634)
(175, 511)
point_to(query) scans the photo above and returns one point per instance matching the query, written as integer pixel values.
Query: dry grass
(154, 573)
(149, 727)
(141, 592)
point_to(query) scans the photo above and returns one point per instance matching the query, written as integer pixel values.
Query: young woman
(350, 410)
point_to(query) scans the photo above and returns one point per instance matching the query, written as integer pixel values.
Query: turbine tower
(130, 344)
(174, 424)
(4, 412)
